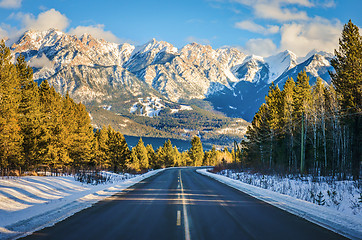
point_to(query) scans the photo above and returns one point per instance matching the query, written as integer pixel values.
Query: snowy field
(337, 210)
(28, 204)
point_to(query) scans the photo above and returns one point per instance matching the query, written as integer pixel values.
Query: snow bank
(28, 204)
(348, 225)
(343, 196)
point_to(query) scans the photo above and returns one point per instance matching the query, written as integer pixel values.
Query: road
(179, 203)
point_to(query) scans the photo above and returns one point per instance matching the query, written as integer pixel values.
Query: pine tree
(333, 125)
(274, 109)
(53, 138)
(10, 138)
(288, 122)
(256, 135)
(117, 149)
(101, 149)
(160, 157)
(206, 160)
(81, 147)
(302, 102)
(177, 159)
(142, 155)
(133, 162)
(318, 120)
(185, 156)
(196, 151)
(29, 113)
(347, 80)
(151, 156)
(168, 154)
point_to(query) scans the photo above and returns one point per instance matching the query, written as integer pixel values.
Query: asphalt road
(182, 204)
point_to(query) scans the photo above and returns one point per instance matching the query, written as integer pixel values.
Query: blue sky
(261, 27)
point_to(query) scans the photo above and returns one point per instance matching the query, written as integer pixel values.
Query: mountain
(122, 76)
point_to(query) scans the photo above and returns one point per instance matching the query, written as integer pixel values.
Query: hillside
(156, 85)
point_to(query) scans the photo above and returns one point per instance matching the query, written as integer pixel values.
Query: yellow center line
(186, 220)
(178, 222)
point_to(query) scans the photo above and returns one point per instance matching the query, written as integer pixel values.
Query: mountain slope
(99, 73)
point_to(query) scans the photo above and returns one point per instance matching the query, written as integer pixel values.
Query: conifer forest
(313, 129)
(300, 128)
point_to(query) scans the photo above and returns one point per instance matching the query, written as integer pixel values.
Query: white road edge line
(186, 220)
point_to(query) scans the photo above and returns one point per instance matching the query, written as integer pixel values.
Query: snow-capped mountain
(93, 70)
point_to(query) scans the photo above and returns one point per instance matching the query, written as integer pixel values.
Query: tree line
(313, 129)
(39, 128)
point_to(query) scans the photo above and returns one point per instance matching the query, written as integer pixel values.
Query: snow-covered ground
(345, 219)
(28, 204)
(151, 107)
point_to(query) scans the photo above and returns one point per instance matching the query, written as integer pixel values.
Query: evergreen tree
(81, 148)
(160, 158)
(151, 156)
(10, 138)
(69, 121)
(213, 156)
(185, 156)
(168, 154)
(206, 160)
(117, 149)
(347, 80)
(101, 149)
(177, 157)
(302, 102)
(319, 125)
(274, 109)
(133, 162)
(29, 113)
(196, 151)
(142, 155)
(288, 122)
(334, 129)
(53, 136)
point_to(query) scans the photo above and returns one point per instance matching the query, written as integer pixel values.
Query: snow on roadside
(28, 204)
(340, 195)
(343, 223)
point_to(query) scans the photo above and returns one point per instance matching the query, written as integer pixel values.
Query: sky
(260, 27)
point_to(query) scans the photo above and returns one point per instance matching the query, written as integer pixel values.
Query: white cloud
(191, 39)
(260, 47)
(40, 62)
(10, 3)
(45, 20)
(280, 10)
(8, 33)
(3, 33)
(325, 3)
(53, 19)
(97, 31)
(302, 37)
(253, 27)
(275, 12)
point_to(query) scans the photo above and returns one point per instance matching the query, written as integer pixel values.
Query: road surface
(179, 203)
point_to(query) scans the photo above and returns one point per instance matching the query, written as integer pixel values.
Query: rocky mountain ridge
(95, 71)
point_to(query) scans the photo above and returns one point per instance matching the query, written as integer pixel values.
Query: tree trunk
(356, 156)
(324, 143)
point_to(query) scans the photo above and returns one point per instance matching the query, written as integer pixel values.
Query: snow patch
(28, 204)
(151, 107)
(106, 107)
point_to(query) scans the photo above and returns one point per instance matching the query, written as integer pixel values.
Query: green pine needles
(313, 129)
